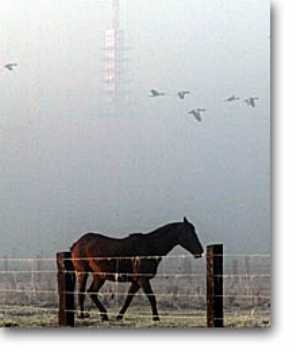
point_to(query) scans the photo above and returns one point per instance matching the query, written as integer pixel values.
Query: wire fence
(148, 257)
(30, 283)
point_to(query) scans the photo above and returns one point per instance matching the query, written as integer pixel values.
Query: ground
(28, 317)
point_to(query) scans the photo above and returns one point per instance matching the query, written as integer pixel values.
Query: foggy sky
(67, 169)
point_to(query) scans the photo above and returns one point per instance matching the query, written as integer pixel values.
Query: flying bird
(182, 94)
(232, 98)
(10, 66)
(197, 114)
(251, 101)
(155, 93)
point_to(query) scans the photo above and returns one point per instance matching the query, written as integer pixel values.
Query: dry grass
(30, 317)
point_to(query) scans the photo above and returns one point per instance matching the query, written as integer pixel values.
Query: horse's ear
(186, 220)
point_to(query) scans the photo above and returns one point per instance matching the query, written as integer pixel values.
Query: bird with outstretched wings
(251, 101)
(197, 114)
(182, 94)
(156, 93)
(10, 66)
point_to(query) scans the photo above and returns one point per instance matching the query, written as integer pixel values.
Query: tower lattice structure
(115, 63)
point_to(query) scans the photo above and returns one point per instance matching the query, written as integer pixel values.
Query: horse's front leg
(146, 286)
(132, 291)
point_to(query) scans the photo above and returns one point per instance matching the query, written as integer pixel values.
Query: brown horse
(132, 259)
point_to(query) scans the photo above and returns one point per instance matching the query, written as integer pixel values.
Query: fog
(67, 168)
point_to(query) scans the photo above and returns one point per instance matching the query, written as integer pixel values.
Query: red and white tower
(115, 63)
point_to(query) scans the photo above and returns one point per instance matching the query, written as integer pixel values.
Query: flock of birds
(251, 101)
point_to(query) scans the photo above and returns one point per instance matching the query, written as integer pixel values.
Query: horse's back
(91, 249)
(98, 253)
(92, 244)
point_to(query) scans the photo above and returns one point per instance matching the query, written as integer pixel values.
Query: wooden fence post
(5, 264)
(38, 277)
(66, 286)
(215, 315)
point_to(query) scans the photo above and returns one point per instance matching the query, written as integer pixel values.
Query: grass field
(30, 317)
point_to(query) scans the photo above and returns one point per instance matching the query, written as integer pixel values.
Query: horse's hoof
(83, 316)
(119, 317)
(156, 318)
(104, 318)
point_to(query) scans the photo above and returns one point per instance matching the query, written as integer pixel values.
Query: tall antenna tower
(115, 63)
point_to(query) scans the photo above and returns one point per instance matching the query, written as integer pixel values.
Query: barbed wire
(11, 308)
(148, 257)
(52, 291)
(156, 275)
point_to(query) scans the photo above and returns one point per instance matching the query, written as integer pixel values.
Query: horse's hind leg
(146, 286)
(132, 290)
(93, 290)
(82, 278)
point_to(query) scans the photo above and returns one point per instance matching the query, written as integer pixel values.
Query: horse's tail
(72, 246)
(80, 270)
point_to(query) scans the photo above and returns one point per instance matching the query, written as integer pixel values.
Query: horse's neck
(162, 245)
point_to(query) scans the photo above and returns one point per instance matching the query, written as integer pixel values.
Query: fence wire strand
(50, 291)
(128, 314)
(148, 257)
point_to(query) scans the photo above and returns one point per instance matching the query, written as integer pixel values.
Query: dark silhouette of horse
(132, 259)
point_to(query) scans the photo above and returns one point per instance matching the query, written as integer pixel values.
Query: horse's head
(189, 240)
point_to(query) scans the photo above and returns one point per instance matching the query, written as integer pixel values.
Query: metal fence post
(215, 315)
(66, 286)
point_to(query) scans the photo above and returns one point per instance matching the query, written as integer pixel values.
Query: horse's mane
(161, 231)
(135, 235)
